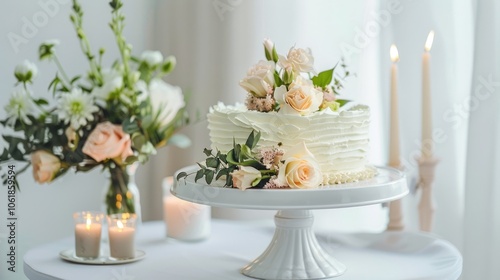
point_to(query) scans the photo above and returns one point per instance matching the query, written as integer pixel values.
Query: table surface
(233, 244)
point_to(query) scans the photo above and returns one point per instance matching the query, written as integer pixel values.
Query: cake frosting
(338, 139)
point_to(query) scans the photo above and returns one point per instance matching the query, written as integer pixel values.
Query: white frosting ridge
(338, 140)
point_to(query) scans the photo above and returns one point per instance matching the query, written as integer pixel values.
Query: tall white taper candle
(394, 160)
(427, 144)
(395, 211)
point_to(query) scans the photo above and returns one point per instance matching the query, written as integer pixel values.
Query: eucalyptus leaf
(130, 126)
(209, 176)
(207, 152)
(181, 175)
(212, 162)
(199, 174)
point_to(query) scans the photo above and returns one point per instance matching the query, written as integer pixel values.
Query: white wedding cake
(338, 140)
(292, 132)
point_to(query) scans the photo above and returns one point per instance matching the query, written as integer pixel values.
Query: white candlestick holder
(396, 221)
(427, 205)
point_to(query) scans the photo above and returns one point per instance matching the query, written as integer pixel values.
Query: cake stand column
(294, 252)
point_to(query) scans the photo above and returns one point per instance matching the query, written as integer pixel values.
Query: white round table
(232, 244)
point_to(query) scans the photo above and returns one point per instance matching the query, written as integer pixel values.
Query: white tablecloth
(233, 244)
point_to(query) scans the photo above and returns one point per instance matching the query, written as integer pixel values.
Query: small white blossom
(20, 105)
(76, 108)
(152, 58)
(26, 71)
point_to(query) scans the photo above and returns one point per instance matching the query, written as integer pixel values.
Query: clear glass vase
(122, 194)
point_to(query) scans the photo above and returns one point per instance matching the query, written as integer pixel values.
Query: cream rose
(300, 99)
(166, 100)
(108, 141)
(300, 169)
(45, 166)
(260, 79)
(300, 60)
(246, 177)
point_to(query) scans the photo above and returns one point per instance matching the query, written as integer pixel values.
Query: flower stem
(63, 73)
(117, 25)
(77, 19)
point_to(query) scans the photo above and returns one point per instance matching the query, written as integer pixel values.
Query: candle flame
(428, 42)
(119, 224)
(89, 222)
(394, 53)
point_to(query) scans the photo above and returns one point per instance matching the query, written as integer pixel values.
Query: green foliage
(220, 166)
(324, 78)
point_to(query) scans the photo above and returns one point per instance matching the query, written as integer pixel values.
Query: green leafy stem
(220, 165)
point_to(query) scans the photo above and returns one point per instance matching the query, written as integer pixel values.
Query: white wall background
(215, 41)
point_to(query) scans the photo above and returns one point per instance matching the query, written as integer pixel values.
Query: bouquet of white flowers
(109, 117)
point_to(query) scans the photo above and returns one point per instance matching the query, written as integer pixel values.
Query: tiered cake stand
(294, 252)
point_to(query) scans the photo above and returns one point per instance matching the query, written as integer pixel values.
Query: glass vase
(122, 194)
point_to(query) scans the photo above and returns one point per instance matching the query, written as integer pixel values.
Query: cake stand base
(294, 252)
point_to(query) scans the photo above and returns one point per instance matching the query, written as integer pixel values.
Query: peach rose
(45, 166)
(108, 141)
(300, 169)
(246, 177)
(301, 98)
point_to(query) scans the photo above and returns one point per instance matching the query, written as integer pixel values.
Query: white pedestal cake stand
(294, 252)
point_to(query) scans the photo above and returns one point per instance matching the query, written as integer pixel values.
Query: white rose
(152, 58)
(166, 100)
(246, 177)
(300, 60)
(260, 79)
(26, 71)
(300, 169)
(301, 99)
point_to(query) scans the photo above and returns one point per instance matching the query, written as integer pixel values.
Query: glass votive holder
(121, 234)
(88, 227)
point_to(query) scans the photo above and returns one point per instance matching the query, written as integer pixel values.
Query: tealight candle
(88, 227)
(121, 230)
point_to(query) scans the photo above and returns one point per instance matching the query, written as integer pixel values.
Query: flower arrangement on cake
(284, 83)
(109, 117)
(288, 106)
